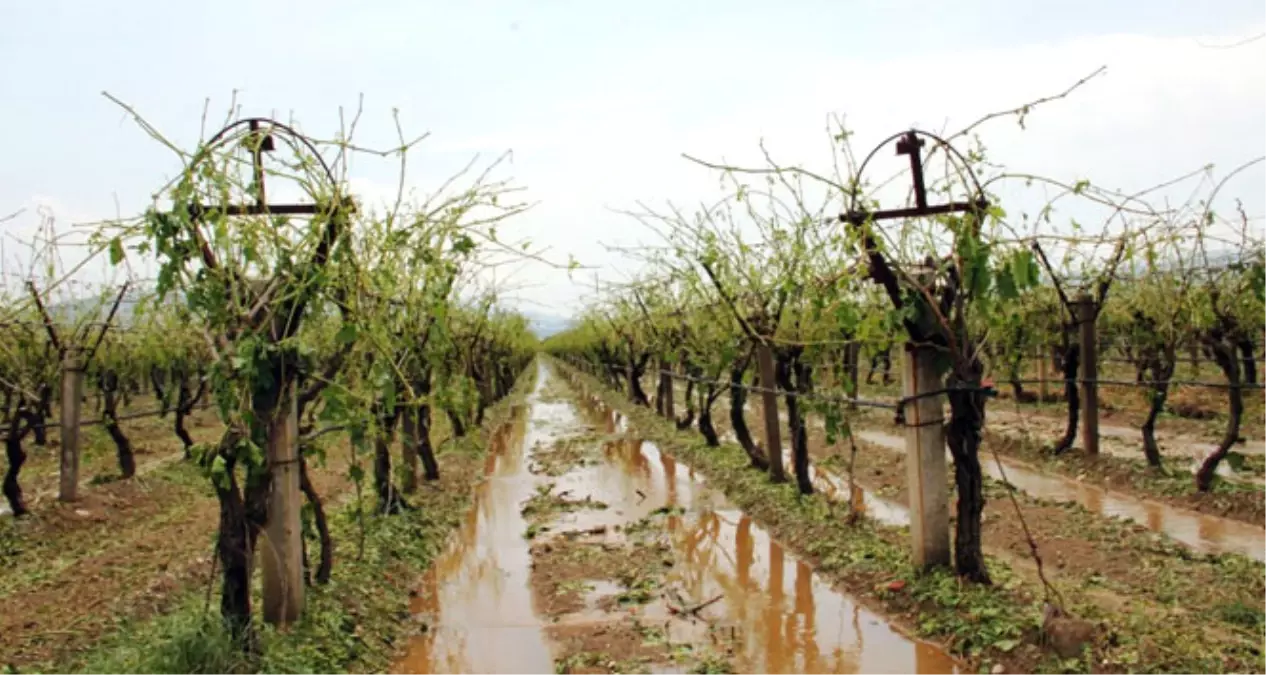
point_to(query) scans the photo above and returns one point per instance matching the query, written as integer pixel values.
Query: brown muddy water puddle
(476, 601)
(1203, 533)
(836, 488)
(1170, 443)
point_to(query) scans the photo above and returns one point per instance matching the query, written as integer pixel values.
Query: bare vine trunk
(157, 379)
(322, 526)
(709, 396)
(1161, 367)
(738, 400)
(390, 501)
(243, 514)
(1069, 367)
(1224, 356)
(16, 457)
(635, 381)
(184, 406)
(455, 421)
(1245, 346)
(430, 468)
(43, 410)
(1151, 450)
(784, 368)
(688, 419)
(967, 417)
(109, 384)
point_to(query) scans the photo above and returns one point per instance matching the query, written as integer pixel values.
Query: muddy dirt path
(589, 550)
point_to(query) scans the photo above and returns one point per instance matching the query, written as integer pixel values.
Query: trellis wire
(122, 418)
(897, 405)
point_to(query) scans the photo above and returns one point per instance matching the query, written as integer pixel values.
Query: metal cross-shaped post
(281, 542)
(922, 384)
(912, 145)
(258, 142)
(258, 147)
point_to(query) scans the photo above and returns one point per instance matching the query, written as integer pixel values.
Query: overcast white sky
(598, 99)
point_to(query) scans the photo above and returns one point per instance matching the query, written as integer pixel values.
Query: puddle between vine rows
(1125, 443)
(1202, 533)
(589, 550)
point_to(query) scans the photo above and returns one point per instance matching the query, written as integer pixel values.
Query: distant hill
(545, 324)
(71, 311)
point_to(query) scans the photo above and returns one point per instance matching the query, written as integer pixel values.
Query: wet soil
(1088, 540)
(1202, 533)
(669, 577)
(126, 549)
(151, 439)
(1215, 621)
(1166, 501)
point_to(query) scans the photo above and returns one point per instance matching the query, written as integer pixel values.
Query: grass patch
(353, 624)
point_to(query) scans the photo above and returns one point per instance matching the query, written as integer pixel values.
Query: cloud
(611, 130)
(1165, 107)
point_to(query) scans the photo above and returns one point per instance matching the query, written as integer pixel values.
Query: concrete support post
(773, 444)
(925, 460)
(71, 406)
(281, 547)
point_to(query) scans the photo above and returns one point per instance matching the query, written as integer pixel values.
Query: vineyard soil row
(1121, 575)
(137, 556)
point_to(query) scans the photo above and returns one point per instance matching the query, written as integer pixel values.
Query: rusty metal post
(773, 444)
(281, 547)
(1086, 314)
(71, 404)
(928, 485)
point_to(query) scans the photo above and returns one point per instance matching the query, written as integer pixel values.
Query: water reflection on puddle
(1206, 534)
(476, 600)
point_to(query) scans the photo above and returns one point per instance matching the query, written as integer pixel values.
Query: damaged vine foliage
(816, 269)
(313, 318)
